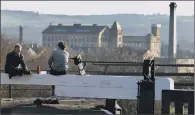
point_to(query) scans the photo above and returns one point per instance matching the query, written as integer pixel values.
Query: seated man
(13, 60)
(58, 62)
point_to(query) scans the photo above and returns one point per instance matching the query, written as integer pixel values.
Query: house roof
(75, 28)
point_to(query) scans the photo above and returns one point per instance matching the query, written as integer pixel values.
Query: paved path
(26, 107)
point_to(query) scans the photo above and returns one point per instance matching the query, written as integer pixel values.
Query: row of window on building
(72, 39)
(135, 44)
(53, 45)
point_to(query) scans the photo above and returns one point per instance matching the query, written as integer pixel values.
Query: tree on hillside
(30, 57)
(116, 55)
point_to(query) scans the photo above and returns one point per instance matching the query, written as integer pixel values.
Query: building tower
(116, 36)
(155, 39)
(155, 29)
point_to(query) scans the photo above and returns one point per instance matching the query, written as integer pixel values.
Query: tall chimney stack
(172, 50)
(20, 34)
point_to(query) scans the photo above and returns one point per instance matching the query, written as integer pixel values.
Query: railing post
(146, 89)
(146, 98)
(53, 90)
(190, 103)
(179, 108)
(191, 107)
(166, 96)
(10, 91)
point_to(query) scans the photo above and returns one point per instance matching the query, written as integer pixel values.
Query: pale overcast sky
(99, 7)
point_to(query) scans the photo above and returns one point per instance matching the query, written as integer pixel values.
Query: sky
(99, 7)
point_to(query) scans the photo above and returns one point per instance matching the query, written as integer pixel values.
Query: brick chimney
(20, 34)
(172, 50)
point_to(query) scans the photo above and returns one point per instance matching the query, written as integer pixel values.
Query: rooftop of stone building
(75, 28)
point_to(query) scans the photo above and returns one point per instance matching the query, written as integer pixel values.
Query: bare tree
(116, 55)
(6, 47)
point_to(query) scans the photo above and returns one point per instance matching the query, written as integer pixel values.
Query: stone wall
(185, 69)
(175, 61)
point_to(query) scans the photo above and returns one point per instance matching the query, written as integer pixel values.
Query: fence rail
(183, 84)
(138, 64)
(156, 74)
(128, 73)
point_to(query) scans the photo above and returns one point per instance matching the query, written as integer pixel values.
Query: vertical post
(179, 108)
(166, 101)
(138, 95)
(53, 90)
(152, 75)
(148, 70)
(10, 91)
(165, 109)
(109, 102)
(38, 69)
(146, 98)
(191, 107)
(146, 89)
(190, 96)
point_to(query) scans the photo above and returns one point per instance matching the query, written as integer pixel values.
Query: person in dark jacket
(13, 60)
(58, 61)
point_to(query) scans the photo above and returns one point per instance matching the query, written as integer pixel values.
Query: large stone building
(151, 41)
(78, 35)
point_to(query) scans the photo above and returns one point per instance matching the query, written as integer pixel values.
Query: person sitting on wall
(13, 60)
(58, 61)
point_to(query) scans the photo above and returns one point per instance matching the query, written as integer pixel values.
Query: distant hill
(132, 24)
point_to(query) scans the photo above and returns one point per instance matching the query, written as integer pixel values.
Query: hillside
(132, 24)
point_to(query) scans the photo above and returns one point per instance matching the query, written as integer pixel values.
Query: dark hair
(61, 45)
(17, 46)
